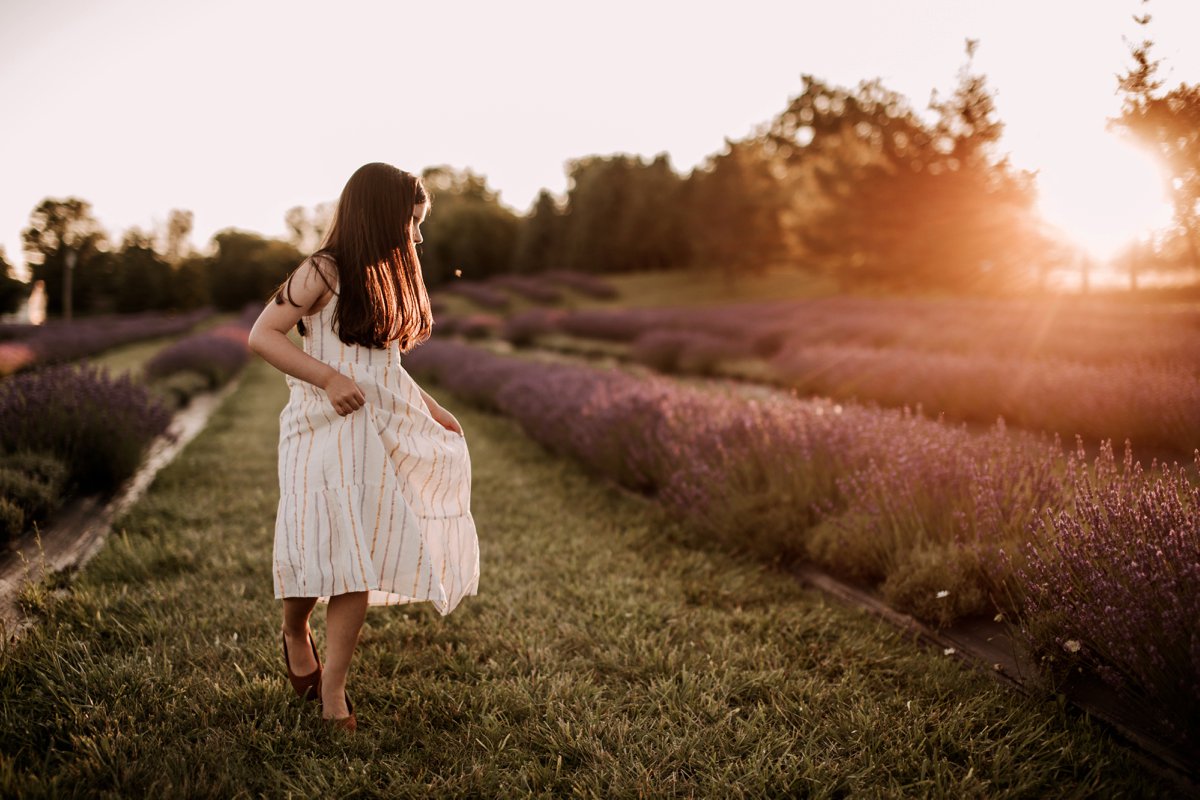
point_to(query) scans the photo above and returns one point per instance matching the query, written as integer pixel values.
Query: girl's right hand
(344, 394)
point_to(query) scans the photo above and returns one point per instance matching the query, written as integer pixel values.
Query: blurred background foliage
(853, 184)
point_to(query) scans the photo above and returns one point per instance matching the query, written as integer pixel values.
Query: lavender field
(1093, 368)
(1094, 560)
(24, 346)
(69, 429)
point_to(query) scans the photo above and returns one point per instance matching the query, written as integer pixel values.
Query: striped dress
(375, 500)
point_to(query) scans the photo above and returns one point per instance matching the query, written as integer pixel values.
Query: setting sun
(1104, 193)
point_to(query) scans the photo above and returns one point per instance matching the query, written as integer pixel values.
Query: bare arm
(269, 339)
(430, 403)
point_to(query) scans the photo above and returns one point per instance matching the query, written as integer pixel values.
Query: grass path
(606, 655)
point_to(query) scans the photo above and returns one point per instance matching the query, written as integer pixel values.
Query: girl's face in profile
(420, 210)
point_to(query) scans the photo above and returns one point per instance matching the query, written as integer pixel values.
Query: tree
(908, 205)
(736, 210)
(539, 237)
(190, 285)
(467, 229)
(56, 226)
(1169, 123)
(597, 196)
(142, 278)
(247, 268)
(653, 228)
(176, 237)
(623, 215)
(306, 228)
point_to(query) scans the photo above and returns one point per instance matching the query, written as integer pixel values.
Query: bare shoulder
(321, 269)
(325, 263)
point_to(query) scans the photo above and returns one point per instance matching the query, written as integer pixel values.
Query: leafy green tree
(190, 284)
(623, 215)
(467, 229)
(56, 226)
(908, 205)
(247, 267)
(597, 197)
(142, 278)
(1169, 123)
(539, 237)
(653, 228)
(736, 210)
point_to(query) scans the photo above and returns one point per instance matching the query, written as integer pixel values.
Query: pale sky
(239, 110)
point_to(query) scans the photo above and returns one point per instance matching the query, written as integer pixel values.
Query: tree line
(850, 182)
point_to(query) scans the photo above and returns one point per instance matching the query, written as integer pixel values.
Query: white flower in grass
(943, 593)
(1072, 645)
(949, 651)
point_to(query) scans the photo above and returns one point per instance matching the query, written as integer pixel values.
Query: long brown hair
(381, 293)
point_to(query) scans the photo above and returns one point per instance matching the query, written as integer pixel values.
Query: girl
(374, 475)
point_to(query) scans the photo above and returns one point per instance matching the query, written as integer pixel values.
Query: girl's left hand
(445, 419)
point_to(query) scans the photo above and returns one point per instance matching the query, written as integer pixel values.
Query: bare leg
(343, 623)
(296, 611)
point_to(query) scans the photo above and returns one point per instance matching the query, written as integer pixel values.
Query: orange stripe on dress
(441, 477)
(379, 508)
(362, 569)
(332, 568)
(420, 556)
(302, 528)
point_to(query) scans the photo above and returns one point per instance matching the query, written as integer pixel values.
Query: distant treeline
(853, 183)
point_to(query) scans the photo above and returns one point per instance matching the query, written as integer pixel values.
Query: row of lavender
(24, 347)
(1112, 373)
(547, 288)
(77, 429)
(1089, 332)
(1097, 562)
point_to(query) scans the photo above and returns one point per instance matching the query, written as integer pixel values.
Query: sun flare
(1104, 193)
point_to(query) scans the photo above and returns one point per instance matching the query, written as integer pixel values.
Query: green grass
(607, 655)
(712, 287)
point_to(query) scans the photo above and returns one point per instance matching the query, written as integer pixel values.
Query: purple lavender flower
(97, 424)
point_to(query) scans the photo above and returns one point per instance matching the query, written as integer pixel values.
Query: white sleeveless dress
(376, 500)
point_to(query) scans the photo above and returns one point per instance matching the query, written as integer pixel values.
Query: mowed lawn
(605, 656)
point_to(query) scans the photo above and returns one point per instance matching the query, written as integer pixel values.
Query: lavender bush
(58, 341)
(944, 522)
(478, 325)
(585, 284)
(488, 297)
(1097, 370)
(217, 355)
(477, 374)
(97, 424)
(524, 327)
(691, 352)
(16, 331)
(1097, 334)
(529, 287)
(32, 486)
(926, 516)
(1114, 582)
(1150, 405)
